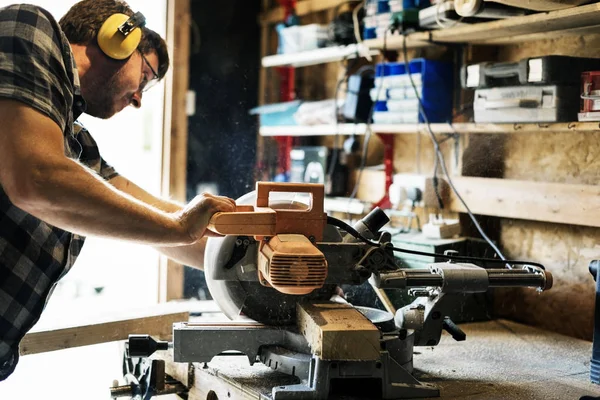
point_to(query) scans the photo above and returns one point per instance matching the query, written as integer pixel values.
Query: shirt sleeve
(32, 61)
(107, 171)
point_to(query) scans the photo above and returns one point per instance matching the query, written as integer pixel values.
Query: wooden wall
(566, 250)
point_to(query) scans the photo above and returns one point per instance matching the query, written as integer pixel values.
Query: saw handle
(316, 190)
(262, 220)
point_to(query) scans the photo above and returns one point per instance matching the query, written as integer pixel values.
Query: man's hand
(195, 216)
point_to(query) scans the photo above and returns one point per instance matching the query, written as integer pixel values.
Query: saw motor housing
(291, 264)
(288, 259)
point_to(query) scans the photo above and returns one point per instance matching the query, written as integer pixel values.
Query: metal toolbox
(511, 104)
(547, 70)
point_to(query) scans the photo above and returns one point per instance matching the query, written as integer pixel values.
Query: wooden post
(173, 180)
(262, 92)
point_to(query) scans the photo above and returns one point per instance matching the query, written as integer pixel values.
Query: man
(55, 188)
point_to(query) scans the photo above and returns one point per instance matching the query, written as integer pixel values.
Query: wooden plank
(575, 17)
(304, 7)
(264, 51)
(537, 201)
(175, 136)
(176, 129)
(337, 331)
(372, 184)
(562, 203)
(160, 326)
(587, 30)
(510, 30)
(460, 128)
(262, 91)
(542, 5)
(396, 42)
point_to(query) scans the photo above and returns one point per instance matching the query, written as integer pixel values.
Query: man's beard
(100, 95)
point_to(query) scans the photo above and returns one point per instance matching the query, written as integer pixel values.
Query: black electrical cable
(436, 185)
(353, 232)
(440, 156)
(334, 155)
(341, 29)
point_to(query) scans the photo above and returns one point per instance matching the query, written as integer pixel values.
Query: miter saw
(276, 274)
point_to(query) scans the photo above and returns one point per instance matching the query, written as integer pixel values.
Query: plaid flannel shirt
(37, 68)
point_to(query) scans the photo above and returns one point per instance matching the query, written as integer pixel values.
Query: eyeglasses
(146, 84)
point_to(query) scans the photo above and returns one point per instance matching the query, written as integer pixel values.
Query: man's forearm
(191, 255)
(74, 198)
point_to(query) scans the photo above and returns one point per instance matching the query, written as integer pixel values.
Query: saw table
(275, 275)
(499, 360)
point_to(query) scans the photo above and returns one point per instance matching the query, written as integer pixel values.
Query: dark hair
(83, 21)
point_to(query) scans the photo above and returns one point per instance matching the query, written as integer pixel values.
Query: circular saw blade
(237, 298)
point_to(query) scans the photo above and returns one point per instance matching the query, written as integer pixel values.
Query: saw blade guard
(239, 297)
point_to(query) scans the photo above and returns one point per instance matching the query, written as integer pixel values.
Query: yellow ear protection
(120, 35)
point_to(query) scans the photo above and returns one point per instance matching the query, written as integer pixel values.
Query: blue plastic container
(380, 106)
(436, 89)
(408, 4)
(382, 69)
(396, 68)
(383, 6)
(370, 33)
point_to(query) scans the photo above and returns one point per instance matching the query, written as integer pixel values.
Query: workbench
(500, 359)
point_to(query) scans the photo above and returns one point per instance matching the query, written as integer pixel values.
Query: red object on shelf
(388, 163)
(289, 6)
(287, 92)
(590, 91)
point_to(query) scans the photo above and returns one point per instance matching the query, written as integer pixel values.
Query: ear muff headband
(120, 35)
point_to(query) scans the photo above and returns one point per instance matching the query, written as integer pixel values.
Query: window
(109, 275)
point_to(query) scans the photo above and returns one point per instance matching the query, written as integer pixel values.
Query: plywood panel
(566, 250)
(415, 154)
(559, 157)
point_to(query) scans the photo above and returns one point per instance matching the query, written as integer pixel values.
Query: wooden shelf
(575, 20)
(460, 128)
(318, 56)
(313, 130)
(396, 42)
